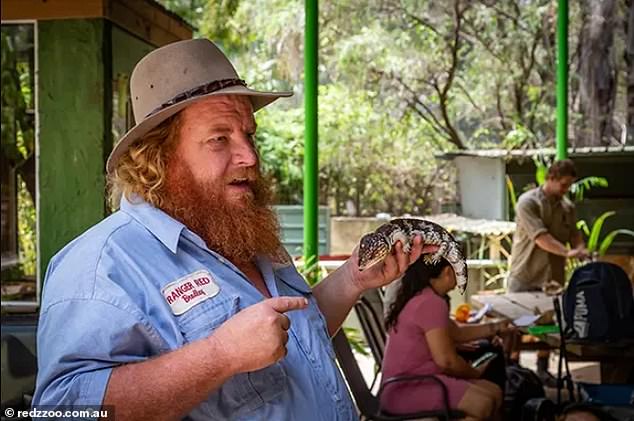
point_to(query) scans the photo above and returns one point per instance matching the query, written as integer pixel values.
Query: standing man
(546, 223)
(183, 303)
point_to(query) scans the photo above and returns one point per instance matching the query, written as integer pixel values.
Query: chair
(368, 404)
(369, 311)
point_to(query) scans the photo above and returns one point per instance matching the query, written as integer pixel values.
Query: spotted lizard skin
(377, 245)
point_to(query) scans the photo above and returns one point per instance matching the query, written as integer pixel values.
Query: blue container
(607, 394)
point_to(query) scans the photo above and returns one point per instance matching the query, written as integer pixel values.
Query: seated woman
(422, 340)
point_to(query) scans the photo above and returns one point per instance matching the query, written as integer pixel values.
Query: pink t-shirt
(407, 352)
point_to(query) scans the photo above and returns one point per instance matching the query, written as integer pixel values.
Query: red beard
(237, 230)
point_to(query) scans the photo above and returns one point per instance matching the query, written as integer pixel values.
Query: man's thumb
(284, 304)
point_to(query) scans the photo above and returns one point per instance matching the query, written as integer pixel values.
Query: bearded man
(183, 303)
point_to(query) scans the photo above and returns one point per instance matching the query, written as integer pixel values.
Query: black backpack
(522, 385)
(539, 409)
(598, 303)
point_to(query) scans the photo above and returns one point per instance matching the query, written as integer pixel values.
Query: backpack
(539, 409)
(522, 385)
(598, 303)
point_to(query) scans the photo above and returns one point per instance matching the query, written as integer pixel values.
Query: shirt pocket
(201, 320)
(320, 326)
(313, 332)
(309, 328)
(243, 392)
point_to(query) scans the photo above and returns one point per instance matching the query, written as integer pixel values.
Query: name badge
(190, 290)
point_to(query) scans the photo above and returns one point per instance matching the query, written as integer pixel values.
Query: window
(19, 258)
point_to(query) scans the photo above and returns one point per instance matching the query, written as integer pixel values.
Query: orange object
(462, 312)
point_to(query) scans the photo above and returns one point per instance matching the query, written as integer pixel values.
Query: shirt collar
(553, 200)
(167, 229)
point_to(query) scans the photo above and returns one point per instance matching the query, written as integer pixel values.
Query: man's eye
(217, 139)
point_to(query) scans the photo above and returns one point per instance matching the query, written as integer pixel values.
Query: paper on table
(480, 314)
(526, 320)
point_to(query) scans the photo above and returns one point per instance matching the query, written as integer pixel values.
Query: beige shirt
(537, 213)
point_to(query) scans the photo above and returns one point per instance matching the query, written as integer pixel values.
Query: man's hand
(390, 269)
(256, 337)
(580, 253)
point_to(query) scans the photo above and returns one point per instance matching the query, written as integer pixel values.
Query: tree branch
(443, 92)
(433, 122)
(498, 105)
(469, 97)
(431, 116)
(515, 19)
(475, 36)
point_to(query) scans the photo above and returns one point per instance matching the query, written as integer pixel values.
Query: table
(616, 359)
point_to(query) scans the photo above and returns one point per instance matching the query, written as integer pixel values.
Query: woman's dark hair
(416, 278)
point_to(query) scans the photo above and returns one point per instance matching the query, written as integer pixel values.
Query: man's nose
(244, 153)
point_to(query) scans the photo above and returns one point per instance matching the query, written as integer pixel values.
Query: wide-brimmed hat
(174, 76)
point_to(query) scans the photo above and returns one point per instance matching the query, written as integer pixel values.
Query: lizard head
(373, 248)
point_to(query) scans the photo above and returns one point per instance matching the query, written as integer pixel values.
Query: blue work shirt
(105, 303)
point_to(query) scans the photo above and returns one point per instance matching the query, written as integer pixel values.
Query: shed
(483, 192)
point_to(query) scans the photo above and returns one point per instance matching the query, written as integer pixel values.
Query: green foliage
(311, 270)
(26, 231)
(579, 187)
(192, 11)
(356, 341)
(582, 226)
(280, 142)
(518, 137)
(593, 233)
(607, 241)
(595, 245)
(219, 23)
(18, 136)
(400, 81)
(511, 192)
(541, 169)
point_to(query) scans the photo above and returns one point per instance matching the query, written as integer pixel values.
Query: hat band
(207, 88)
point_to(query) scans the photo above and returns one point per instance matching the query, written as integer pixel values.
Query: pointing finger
(284, 304)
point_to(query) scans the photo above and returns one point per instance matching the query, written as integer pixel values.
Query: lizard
(375, 246)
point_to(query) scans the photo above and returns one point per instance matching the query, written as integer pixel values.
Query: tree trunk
(597, 73)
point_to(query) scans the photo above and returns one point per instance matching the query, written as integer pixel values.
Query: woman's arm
(443, 351)
(467, 333)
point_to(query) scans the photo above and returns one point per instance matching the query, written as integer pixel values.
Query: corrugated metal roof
(529, 153)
